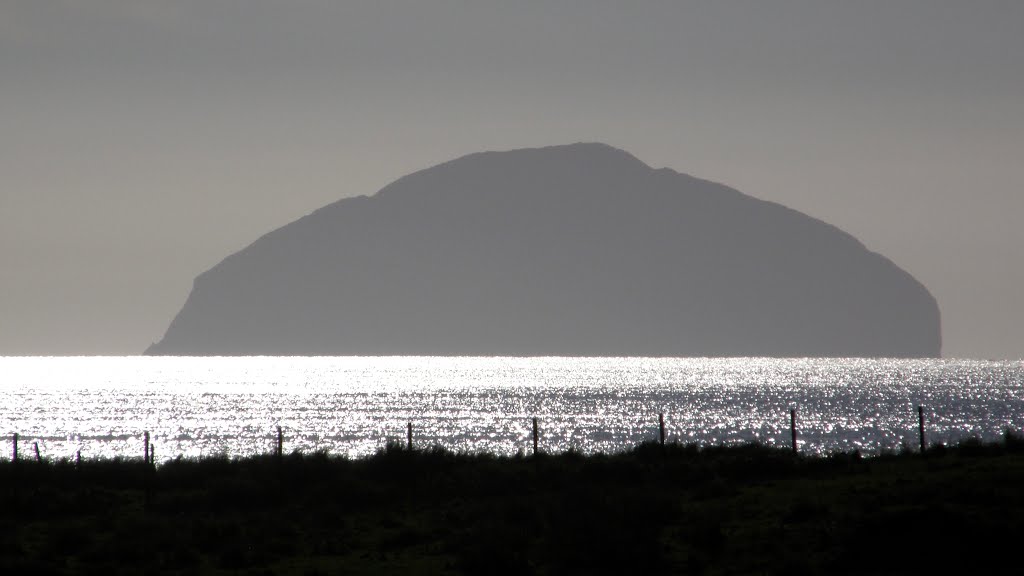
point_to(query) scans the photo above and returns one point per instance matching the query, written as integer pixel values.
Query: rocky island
(575, 250)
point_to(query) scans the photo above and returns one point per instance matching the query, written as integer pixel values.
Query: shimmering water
(201, 406)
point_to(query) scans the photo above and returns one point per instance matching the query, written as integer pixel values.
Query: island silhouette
(573, 250)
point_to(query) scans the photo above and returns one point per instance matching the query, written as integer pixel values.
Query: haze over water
(355, 405)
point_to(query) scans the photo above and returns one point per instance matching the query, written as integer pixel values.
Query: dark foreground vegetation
(739, 510)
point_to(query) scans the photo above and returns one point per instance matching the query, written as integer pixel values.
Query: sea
(355, 406)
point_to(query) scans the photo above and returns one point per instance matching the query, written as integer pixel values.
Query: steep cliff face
(567, 250)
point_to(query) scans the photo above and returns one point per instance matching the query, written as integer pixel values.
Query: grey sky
(141, 142)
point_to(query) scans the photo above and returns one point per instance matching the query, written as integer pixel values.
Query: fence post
(78, 460)
(145, 447)
(661, 429)
(14, 458)
(280, 444)
(792, 428)
(147, 474)
(408, 436)
(39, 458)
(535, 434)
(920, 426)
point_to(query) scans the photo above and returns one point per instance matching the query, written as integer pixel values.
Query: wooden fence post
(145, 447)
(920, 426)
(14, 458)
(78, 460)
(535, 434)
(280, 444)
(408, 436)
(661, 429)
(39, 457)
(147, 478)
(792, 428)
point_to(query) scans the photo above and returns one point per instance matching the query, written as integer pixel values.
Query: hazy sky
(142, 142)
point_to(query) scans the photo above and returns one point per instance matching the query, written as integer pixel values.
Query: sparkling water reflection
(354, 406)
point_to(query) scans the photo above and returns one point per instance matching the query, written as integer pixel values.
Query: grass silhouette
(650, 510)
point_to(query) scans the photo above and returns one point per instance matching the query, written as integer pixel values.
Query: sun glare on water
(356, 405)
